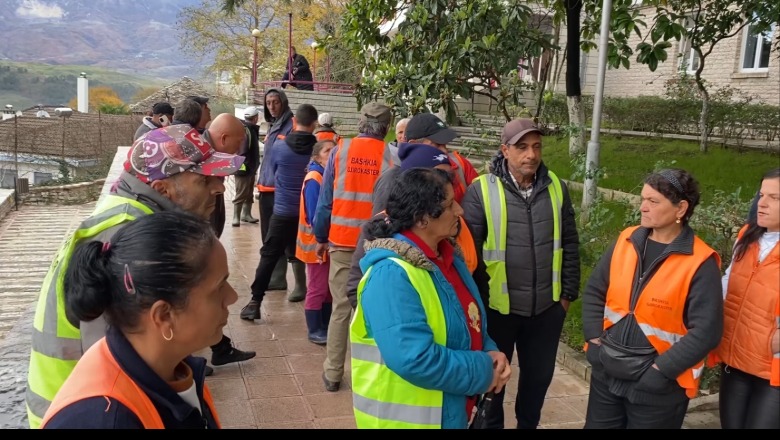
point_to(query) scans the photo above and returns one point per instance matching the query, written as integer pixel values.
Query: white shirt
(766, 243)
(190, 395)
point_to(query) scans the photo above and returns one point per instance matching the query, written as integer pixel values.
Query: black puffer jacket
(529, 242)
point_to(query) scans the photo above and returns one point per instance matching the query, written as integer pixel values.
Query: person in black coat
(300, 71)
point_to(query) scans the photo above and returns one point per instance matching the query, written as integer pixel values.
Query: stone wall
(6, 204)
(75, 194)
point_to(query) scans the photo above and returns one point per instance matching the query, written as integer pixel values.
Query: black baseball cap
(429, 126)
(162, 108)
(202, 100)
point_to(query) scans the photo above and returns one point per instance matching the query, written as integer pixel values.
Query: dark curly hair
(676, 185)
(417, 192)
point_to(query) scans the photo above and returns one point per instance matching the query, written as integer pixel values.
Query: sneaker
(230, 356)
(330, 386)
(209, 371)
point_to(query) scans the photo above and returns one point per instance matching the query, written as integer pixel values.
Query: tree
(99, 96)
(224, 40)
(703, 24)
(442, 50)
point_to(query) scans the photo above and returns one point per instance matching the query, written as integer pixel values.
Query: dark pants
(245, 188)
(747, 401)
(277, 242)
(218, 223)
(607, 410)
(266, 211)
(536, 339)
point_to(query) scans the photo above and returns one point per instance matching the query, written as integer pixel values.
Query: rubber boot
(327, 309)
(299, 292)
(236, 216)
(246, 213)
(317, 333)
(279, 276)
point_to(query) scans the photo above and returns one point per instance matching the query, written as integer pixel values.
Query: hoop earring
(169, 338)
(678, 221)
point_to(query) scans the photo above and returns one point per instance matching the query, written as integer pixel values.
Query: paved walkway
(280, 388)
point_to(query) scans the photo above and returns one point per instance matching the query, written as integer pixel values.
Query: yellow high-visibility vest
(494, 248)
(381, 398)
(56, 343)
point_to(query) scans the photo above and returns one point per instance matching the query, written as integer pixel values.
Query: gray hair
(189, 112)
(404, 122)
(373, 128)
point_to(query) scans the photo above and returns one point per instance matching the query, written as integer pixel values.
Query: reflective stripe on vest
(381, 398)
(659, 309)
(358, 163)
(56, 343)
(99, 374)
(494, 248)
(306, 243)
(460, 173)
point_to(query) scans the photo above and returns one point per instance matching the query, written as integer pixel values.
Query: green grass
(627, 160)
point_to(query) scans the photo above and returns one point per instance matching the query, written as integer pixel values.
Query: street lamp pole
(314, 46)
(255, 34)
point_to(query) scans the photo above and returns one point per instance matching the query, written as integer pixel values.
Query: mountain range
(129, 36)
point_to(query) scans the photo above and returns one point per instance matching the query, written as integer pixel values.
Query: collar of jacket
(682, 244)
(407, 250)
(131, 188)
(153, 385)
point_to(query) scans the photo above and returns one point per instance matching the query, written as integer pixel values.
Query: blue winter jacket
(396, 320)
(291, 156)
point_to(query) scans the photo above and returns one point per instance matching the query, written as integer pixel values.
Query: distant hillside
(27, 84)
(134, 36)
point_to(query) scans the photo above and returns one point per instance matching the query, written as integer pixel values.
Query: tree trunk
(703, 125)
(573, 89)
(705, 100)
(577, 122)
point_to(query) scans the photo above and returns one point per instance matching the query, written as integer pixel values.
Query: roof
(172, 93)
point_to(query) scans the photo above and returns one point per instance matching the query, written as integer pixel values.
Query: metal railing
(317, 86)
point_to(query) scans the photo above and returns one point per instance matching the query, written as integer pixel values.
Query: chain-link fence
(61, 150)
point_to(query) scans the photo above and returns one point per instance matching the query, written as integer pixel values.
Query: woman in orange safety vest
(750, 348)
(161, 283)
(651, 312)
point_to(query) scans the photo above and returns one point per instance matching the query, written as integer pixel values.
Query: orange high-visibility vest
(306, 244)
(466, 242)
(659, 310)
(751, 314)
(98, 374)
(357, 166)
(460, 174)
(325, 136)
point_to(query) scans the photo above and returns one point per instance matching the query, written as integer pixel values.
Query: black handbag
(626, 363)
(483, 407)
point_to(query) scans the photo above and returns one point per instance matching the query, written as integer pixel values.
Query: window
(755, 49)
(39, 178)
(7, 178)
(689, 59)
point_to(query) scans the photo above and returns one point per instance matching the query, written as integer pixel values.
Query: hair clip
(129, 285)
(106, 247)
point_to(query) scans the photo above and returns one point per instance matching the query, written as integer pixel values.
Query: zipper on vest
(533, 256)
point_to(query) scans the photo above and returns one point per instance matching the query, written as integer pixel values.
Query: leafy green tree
(442, 50)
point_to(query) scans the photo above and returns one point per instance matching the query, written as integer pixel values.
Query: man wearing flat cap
(344, 204)
(528, 271)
